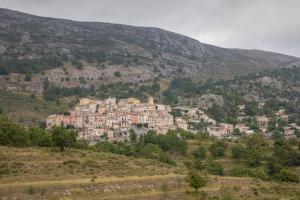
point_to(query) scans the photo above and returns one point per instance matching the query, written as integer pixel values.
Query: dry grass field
(45, 173)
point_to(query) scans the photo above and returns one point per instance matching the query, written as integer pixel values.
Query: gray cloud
(272, 25)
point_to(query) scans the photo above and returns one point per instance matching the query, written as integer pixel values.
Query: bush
(12, 134)
(259, 173)
(285, 175)
(218, 149)
(239, 172)
(38, 137)
(77, 64)
(200, 152)
(199, 165)
(254, 157)
(238, 152)
(106, 147)
(168, 142)
(27, 78)
(274, 167)
(215, 168)
(82, 144)
(117, 74)
(151, 151)
(133, 136)
(166, 159)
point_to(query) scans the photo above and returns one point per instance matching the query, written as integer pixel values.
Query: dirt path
(84, 181)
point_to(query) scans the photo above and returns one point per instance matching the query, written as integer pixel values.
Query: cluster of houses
(264, 121)
(225, 130)
(111, 119)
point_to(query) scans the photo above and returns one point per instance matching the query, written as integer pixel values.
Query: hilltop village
(113, 120)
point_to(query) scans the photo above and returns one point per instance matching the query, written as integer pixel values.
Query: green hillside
(28, 109)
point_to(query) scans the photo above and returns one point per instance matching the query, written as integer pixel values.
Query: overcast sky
(272, 25)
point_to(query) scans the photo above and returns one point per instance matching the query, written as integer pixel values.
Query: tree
(139, 125)
(46, 84)
(274, 167)
(218, 149)
(200, 152)
(133, 136)
(237, 132)
(12, 134)
(151, 151)
(253, 124)
(195, 180)
(77, 64)
(27, 78)
(106, 146)
(254, 157)
(251, 108)
(238, 152)
(169, 142)
(3, 70)
(63, 137)
(199, 165)
(215, 168)
(38, 137)
(117, 74)
(217, 112)
(176, 112)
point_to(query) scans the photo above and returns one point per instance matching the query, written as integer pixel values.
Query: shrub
(218, 149)
(151, 151)
(133, 136)
(106, 147)
(27, 78)
(117, 74)
(38, 137)
(168, 142)
(254, 157)
(259, 173)
(274, 167)
(199, 165)
(239, 172)
(82, 144)
(166, 159)
(286, 175)
(200, 152)
(12, 134)
(238, 152)
(215, 168)
(77, 64)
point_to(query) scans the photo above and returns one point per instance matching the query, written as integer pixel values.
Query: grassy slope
(24, 109)
(36, 173)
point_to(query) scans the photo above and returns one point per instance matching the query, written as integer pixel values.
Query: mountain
(61, 58)
(158, 52)
(41, 55)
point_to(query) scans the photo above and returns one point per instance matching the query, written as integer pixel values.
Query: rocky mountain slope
(52, 49)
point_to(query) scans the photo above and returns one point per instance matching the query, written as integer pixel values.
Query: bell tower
(150, 100)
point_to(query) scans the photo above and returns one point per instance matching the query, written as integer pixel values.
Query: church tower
(150, 100)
